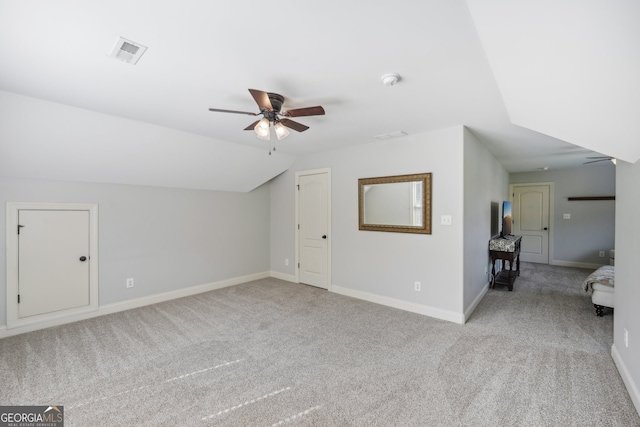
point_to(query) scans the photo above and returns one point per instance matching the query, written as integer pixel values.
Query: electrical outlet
(626, 338)
(601, 254)
(417, 286)
(566, 216)
(286, 261)
(130, 282)
(446, 220)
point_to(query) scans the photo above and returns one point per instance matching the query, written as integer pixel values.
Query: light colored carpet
(270, 353)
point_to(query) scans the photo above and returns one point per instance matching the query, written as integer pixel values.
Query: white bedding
(600, 284)
(603, 276)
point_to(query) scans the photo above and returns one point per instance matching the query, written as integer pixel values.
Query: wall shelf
(571, 199)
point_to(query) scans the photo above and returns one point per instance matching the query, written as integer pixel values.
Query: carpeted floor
(271, 353)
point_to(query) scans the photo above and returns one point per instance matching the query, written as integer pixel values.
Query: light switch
(566, 216)
(445, 219)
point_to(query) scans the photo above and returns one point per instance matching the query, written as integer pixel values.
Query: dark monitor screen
(495, 219)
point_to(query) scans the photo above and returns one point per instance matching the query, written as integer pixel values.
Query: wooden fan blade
(308, 111)
(232, 111)
(262, 99)
(252, 125)
(294, 125)
(595, 161)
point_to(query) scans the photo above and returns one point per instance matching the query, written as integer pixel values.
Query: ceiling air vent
(395, 134)
(127, 51)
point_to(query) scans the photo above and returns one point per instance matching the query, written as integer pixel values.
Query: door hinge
(18, 298)
(298, 226)
(298, 265)
(19, 227)
(298, 187)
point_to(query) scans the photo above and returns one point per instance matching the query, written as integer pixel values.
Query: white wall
(485, 181)
(380, 263)
(167, 239)
(591, 228)
(627, 295)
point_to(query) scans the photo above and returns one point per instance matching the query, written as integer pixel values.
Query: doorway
(52, 261)
(313, 230)
(533, 220)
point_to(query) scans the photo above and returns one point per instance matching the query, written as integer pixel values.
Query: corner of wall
(485, 181)
(632, 387)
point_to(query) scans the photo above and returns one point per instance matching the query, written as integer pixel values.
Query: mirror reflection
(396, 203)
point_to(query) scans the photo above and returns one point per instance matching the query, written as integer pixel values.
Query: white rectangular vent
(395, 134)
(129, 48)
(127, 51)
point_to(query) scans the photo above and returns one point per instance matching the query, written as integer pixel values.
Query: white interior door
(53, 261)
(531, 221)
(313, 234)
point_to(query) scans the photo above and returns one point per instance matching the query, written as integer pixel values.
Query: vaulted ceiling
(542, 84)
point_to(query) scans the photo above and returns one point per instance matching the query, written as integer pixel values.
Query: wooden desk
(506, 249)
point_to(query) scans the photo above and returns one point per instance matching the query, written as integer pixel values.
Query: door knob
(324, 236)
(545, 228)
(83, 258)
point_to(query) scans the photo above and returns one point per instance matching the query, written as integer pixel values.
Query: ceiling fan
(270, 105)
(600, 159)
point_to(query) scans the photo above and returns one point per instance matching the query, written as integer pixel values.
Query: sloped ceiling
(567, 69)
(149, 124)
(41, 139)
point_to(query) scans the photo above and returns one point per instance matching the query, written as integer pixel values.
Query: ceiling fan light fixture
(270, 105)
(262, 129)
(281, 131)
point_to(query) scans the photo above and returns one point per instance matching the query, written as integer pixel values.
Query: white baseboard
(426, 310)
(134, 303)
(474, 304)
(283, 276)
(632, 387)
(588, 265)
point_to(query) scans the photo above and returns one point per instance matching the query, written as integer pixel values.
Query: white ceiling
(520, 77)
(567, 69)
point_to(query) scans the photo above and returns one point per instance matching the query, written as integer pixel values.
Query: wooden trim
(571, 199)
(419, 308)
(135, 303)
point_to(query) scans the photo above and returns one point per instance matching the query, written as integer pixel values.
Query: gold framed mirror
(400, 204)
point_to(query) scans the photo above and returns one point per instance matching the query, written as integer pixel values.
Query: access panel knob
(83, 258)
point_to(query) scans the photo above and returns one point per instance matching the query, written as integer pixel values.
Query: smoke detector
(390, 79)
(127, 51)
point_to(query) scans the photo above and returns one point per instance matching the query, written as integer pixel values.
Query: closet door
(53, 261)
